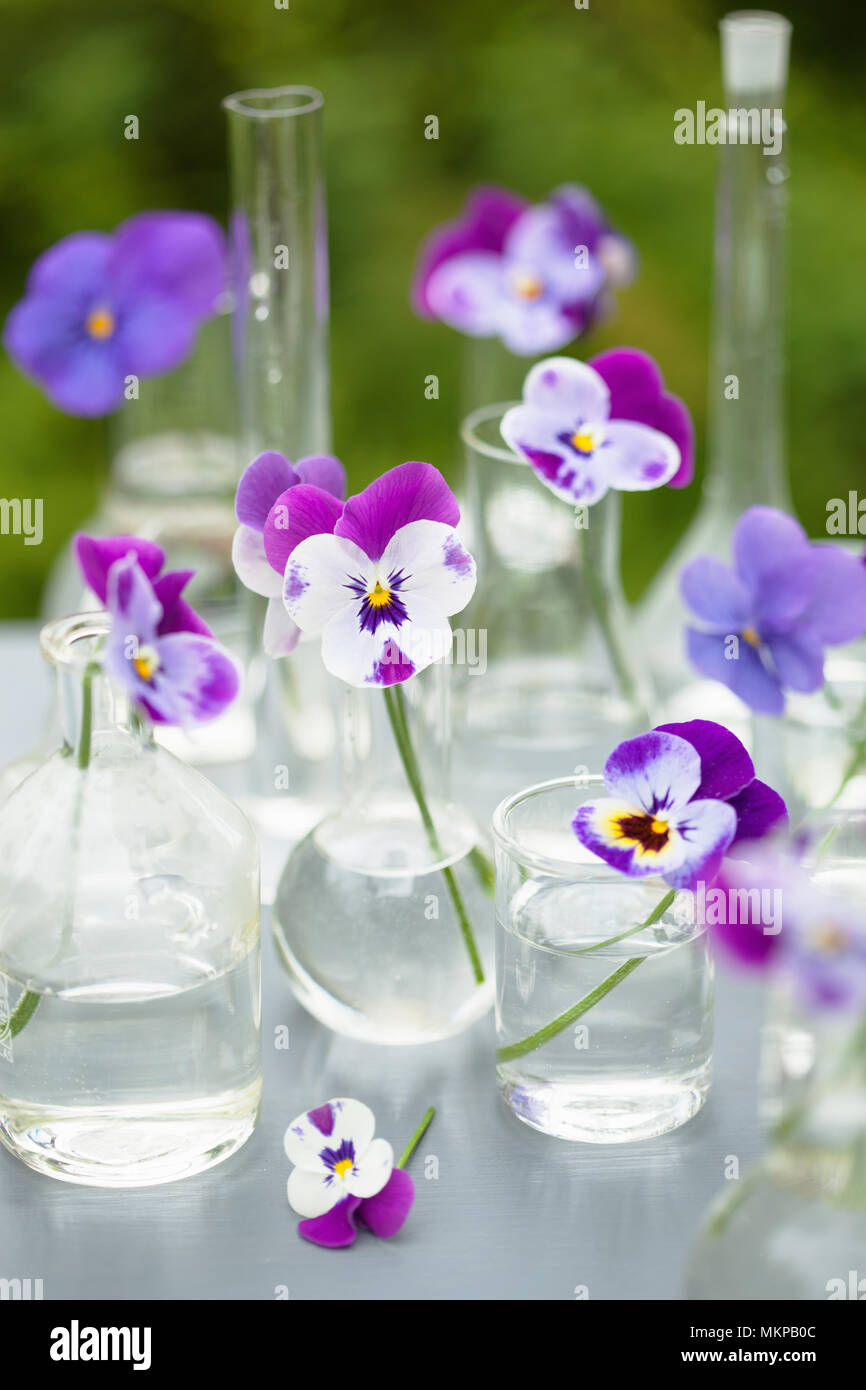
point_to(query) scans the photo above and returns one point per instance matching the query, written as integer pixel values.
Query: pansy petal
(482, 226)
(540, 240)
(87, 381)
(74, 267)
(324, 471)
(567, 388)
(836, 612)
(362, 658)
(386, 1212)
(637, 393)
(326, 1127)
(715, 594)
(280, 635)
(251, 563)
(180, 254)
(745, 674)
(333, 1230)
(130, 599)
(262, 482)
(467, 292)
(636, 458)
(726, 767)
(536, 435)
(200, 673)
(759, 810)
(603, 825)
(706, 828)
(297, 514)
(409, 492)
(798, 659)
(372, 1169)
(177, 614)
(311, 1194)
(530, 327)
(656, 771)
(154, 334)
(434, 562)
(318, 575)
(773, 557)
(96, 555)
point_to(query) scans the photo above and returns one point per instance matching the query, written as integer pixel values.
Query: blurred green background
(529, 93)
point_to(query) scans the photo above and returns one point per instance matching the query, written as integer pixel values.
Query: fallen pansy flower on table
(344, 1177)
(533, 275)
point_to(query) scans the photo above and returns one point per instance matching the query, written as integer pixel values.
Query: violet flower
(102, 307)
(681, 797)
(264, 489)
(566, 429)
(343, 1176)
(158, 649)
(379, 577)
(534, 276)
(767, 620)
(817, 940)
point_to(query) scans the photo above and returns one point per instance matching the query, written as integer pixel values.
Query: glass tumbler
(604, 984)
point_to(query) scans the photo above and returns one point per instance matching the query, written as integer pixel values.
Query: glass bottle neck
(390, 736)
(91, 705)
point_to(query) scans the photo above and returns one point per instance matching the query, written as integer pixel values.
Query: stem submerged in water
(395, 705)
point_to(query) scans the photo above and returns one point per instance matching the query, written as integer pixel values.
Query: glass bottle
(279, 254)
(129, 948)
(547, 685)
(383, 916)
(746, 441)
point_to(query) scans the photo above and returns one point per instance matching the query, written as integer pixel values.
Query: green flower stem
(550, 1030)
(417, 1137)
(395, 705)
(23, 1012)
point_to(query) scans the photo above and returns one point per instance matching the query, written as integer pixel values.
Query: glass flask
(383, 915)
(129, 948)
(547, 685)
(604, 983)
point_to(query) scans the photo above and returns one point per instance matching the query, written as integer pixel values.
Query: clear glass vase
(746, 462)
(383, 915)
(129, 948)
(545, 678)
(815, 753)
(604, 984)
(279, 254)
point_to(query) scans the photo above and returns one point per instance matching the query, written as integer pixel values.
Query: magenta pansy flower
(343, 1176)
(263, 492)
(378, 578)
(816, 938)
(680, 797)
(97, 554)
(783, 601)
(565, 429)
(534, 276)
(102, 307)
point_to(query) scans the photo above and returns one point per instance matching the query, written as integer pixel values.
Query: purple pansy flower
(100, 307)
(379, 577)
(263, 491)
(343, 1176)
(535, 276)
(158, 648)
(817, 939)
(680, 798)
(637, 392)
(785, 600)
(565, 429)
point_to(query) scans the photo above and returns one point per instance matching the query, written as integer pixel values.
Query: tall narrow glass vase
(546, 682)
(279, 251)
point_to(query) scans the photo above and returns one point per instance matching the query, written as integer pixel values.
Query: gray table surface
(512, 1214)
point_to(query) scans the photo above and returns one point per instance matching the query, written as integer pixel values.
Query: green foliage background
(529, 93)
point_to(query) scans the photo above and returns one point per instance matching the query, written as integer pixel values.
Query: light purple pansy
(680, 798)
(784, 600)
(100, 308)
(380, 579)
(177, 674)
(97, 554)
(565, 431)
(343, 1176)
(816, 939)
(261, 507)
(534, 276)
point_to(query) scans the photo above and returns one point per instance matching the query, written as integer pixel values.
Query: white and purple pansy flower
(680, 797)
(262, 494)
(379, 577)
(767, 620)
(343, 1176)
(157, 649)
(565, 431)
(534, 276)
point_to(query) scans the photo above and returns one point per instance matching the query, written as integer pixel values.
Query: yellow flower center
(750, 635)
(379, 597)
(100, 323)
(659, 827)
(528, 286)
(582, 442)
(343, 1167)
(146, 663)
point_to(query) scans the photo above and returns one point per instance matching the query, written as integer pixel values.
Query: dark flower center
(651, 833)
